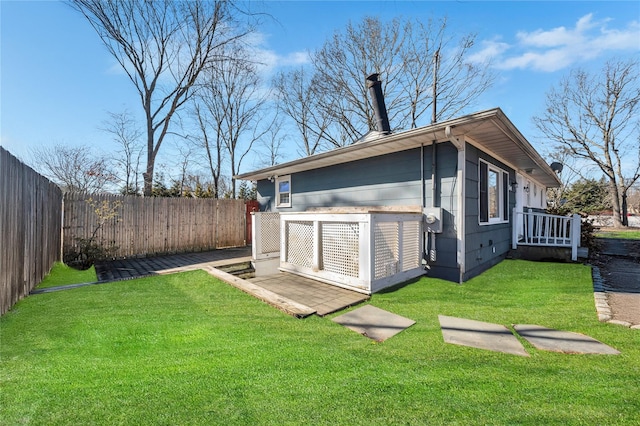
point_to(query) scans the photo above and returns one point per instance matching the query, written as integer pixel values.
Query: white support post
(575, 237)
(400, 246)
(514, 230)
(283, 240)
(531, 228)
(255, 234)
(315, 263)
(367, 251)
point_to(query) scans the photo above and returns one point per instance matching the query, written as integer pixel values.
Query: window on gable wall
(494, 194)
(283, 191)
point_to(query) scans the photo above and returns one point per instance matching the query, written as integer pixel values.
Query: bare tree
(209, 137)
(127, 135)
(573, 170)
(595, 118)
(340, 67)
(402, 52)
(300, 101)
(163, 46)
(459, 83)
(233, 94)
(73, 168)
(184, 159)
(273, 142)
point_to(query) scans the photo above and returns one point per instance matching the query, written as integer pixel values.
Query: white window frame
(278, 180)
(503, 216)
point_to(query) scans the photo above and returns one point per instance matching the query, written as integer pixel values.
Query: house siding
(481, 240)
(389, 180)
(446, 265)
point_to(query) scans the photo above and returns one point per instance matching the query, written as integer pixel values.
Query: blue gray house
(470, 181)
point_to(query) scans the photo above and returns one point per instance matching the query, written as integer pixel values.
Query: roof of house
(489, 130)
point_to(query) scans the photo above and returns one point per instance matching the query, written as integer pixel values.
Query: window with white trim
(283, 191)
(494, 194)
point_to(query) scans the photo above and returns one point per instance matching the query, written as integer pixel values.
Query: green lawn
(62, 274)
(627, 234)
(189, 349)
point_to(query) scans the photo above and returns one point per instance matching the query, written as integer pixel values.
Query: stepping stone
(548, 339)
(374, 323)
(482, 335)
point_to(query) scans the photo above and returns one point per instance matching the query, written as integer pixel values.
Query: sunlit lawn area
(189, 349)
(62, 274)
(627, 234)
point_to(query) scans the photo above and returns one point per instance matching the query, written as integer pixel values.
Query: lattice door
(299, 244)
(270, 232)
(386, 249)
(410, 245)
(341, 248)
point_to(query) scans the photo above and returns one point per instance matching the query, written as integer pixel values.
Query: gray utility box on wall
(432, 219)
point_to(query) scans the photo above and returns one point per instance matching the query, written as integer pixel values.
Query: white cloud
(548, 61)
(560, 36)
(270, 59)
(561, 47)
(490, 49)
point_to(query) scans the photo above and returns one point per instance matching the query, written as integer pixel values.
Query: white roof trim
(490, 131)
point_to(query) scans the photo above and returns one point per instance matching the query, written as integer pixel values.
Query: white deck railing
(542, 229)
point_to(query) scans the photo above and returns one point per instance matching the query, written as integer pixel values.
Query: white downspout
(459, 143)
(423, 198)
(460, 218)
(434, 193)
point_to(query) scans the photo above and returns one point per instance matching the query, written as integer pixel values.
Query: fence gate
(251, 206)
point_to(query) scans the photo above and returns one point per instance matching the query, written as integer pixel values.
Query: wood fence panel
(231, 223)
(146, 226)
(30, 228)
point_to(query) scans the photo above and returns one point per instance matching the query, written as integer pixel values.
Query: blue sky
(58, 82)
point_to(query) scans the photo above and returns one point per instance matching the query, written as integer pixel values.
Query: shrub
(86, 251)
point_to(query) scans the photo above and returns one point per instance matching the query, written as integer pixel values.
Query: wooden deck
(323, 298)
(166, 264)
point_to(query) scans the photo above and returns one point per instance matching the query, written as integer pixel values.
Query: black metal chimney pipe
(375, 89)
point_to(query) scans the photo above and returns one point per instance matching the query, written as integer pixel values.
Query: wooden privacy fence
(142, 226)
(30, 221)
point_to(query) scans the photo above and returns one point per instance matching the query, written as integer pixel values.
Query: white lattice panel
(299, 244)
(410, 245)
(270, 232)
(386, 249)
(341, 248)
